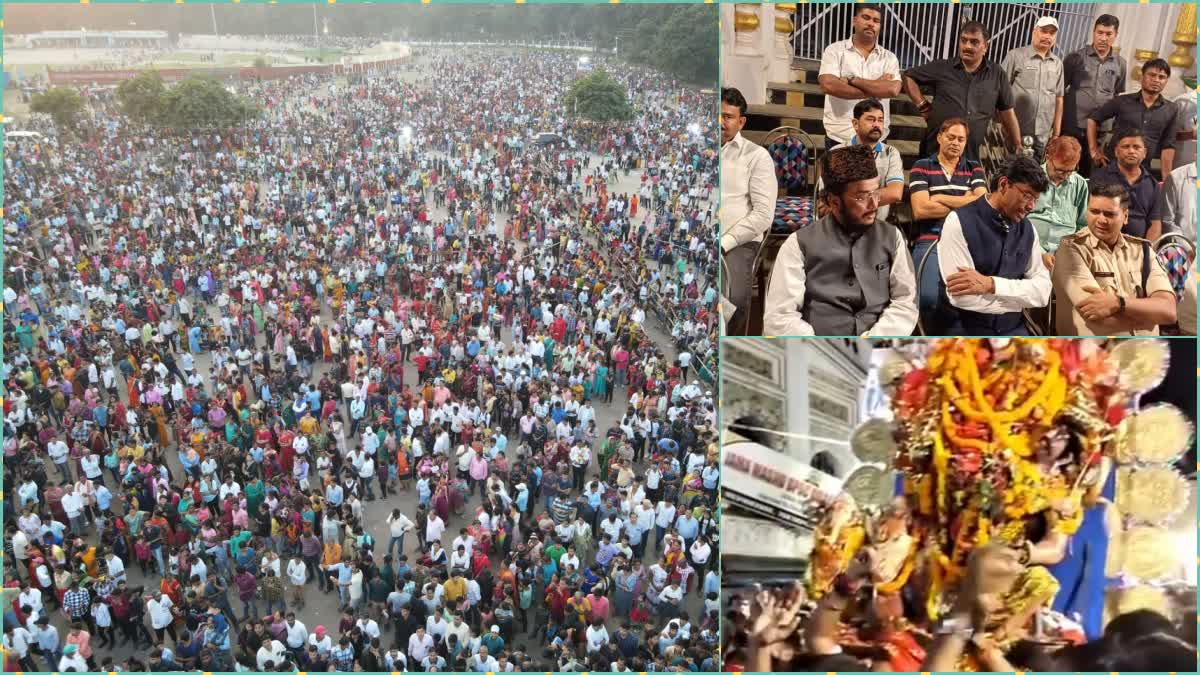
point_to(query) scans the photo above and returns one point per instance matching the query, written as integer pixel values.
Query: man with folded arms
(1108, 282)
(990, 257)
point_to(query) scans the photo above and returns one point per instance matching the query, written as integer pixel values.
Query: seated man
(938, 185)
(748, 192)
(1110, 283)
(1062, 209)
(1128, 172)
(990, 257)
(868, 125)
(846, 274)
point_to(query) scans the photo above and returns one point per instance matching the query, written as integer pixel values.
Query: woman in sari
(441, 500)
(626, 589)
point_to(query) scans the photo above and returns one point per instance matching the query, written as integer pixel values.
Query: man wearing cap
(72, 661)
(492, 641)
(847, 274)
(1036, 76)
(48, 645)
(321, 641)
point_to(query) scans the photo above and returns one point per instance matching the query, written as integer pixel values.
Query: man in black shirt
(968, 87)
(1147, 110)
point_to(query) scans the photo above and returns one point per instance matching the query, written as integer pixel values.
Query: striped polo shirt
(927, 175)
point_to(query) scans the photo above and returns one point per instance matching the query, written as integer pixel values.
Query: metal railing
(920, 32)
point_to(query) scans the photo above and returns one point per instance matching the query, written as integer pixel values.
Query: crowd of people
(368, 384)
(1078, 215)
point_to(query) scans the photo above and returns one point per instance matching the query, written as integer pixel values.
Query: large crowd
(368, 384)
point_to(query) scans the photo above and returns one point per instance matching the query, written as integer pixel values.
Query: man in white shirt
(855, 69)
(748, 192)
(990, 257)
(296, 633)
(161, 618)
(72, 504)
(272, 652)
(297, 574)
(398, 526)
(848, 274)
(482, 662)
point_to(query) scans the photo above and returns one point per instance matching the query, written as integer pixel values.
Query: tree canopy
(600, 98)
(62, 104)
(193, 103)
(198, 102)
(142, 97)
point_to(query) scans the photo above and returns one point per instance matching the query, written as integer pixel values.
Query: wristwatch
(1121, 305)
(958, 626)
(924, 105)
(850, 80)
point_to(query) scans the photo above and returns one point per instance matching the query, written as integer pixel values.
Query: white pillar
(799, 360)
(746, 45)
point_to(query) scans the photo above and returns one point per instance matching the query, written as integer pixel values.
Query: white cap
(1047, 21)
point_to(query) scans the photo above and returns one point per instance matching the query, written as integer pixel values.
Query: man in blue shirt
(687, 527)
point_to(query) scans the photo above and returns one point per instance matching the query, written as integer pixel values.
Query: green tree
(686, 47)
(204, 103)
(62, 104)
(142, 97)
(260, 62)
(600, 98)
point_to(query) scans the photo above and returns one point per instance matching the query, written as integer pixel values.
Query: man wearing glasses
(990, 257)
(1062, 209)
(847, 274)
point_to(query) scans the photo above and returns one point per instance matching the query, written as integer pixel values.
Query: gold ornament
(1157, 434)
(745, 18)
(1155, 494)
(1142, 363)
(1184, 38)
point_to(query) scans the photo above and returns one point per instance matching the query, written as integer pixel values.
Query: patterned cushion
(791, 162)
(1175, 258)
(791, 214)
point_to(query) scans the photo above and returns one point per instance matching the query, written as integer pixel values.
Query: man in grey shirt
(1036, 77)
(868, 127)
(1093, 75)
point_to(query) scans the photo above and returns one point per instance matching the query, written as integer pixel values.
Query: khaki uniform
(1083, 260)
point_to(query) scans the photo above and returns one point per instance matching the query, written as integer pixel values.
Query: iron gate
(920, 32)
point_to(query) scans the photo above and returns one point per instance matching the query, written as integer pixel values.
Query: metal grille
(1011, 24)
(920, 32)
